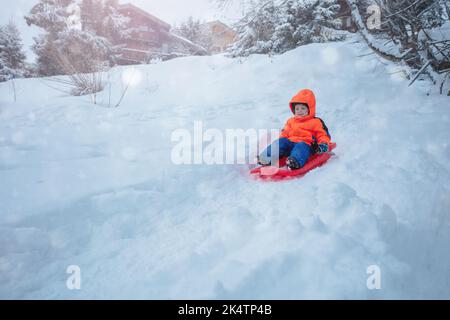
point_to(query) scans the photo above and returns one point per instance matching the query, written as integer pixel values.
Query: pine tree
(88, 15)
(114, 25)
(115, 28)
(64, 49)
(189, 29)
(43, 47)
(276, 26)
(196, 32)
(256, 29)
(52, 17)
(12, 58)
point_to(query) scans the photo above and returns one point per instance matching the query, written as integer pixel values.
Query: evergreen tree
(276, 26)
(51, 16)
(255, 30)
(115, 28)
(68, 49)
(88, 16)
(12, 58)
(189, 29)
(196, 32)
(43, 47)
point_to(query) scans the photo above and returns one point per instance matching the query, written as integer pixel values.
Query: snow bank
(94, 186)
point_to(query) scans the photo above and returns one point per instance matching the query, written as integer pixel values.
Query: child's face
(301, 110)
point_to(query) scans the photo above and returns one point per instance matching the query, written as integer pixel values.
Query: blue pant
(300, 151)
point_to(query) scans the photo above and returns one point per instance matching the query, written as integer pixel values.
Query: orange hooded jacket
(303, 129)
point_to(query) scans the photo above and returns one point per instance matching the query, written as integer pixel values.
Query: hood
(305, 96)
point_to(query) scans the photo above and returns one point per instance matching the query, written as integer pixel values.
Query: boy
(302, 135)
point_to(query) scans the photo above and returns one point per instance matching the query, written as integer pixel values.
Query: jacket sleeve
(285, 131)
(321, 133)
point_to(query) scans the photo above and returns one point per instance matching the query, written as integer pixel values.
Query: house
(151, 38)
(220, 35)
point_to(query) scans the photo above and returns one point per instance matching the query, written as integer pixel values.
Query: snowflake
(330, 56)
(131, 77)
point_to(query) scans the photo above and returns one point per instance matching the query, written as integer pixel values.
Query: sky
(170, 11)
(174, 11)
(15, 11)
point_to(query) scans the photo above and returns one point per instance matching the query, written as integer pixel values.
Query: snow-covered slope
(93, 186)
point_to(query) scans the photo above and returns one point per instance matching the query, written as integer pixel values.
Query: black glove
(322, 148)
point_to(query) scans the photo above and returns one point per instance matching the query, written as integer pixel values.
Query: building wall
(147, 37)
(221, 36)
(152, 38)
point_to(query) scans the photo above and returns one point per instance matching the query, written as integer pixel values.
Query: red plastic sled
(280, 173)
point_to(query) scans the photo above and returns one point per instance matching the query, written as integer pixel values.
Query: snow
(94, 186)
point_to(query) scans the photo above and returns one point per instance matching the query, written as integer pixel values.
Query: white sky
(174, 11)
(170, 11)
(15, 11)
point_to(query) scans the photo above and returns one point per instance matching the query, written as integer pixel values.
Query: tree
(114, 25)
(115, 28)
(276, 26)
(255, 29)
(89, 17)
(412, 32)
(303, 22)
(76, 38)
(51, 16)
(415, 33)
(12, 58)
(189, 29)
(194, 31)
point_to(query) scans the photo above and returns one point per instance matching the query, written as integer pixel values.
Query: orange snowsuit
(305, 129)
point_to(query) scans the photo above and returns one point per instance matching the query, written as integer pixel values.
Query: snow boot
(260, 162)
(292, 163)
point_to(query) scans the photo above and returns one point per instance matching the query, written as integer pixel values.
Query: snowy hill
(95, 187)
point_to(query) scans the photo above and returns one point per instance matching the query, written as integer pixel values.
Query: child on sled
(303, 134)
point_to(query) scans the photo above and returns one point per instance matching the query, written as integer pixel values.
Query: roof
(208, 26)
(154, 19)
(217, 22)
(198, 48)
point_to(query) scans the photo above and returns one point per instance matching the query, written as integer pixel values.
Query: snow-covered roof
(188, 42)
(210, 24)
(129, 6)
